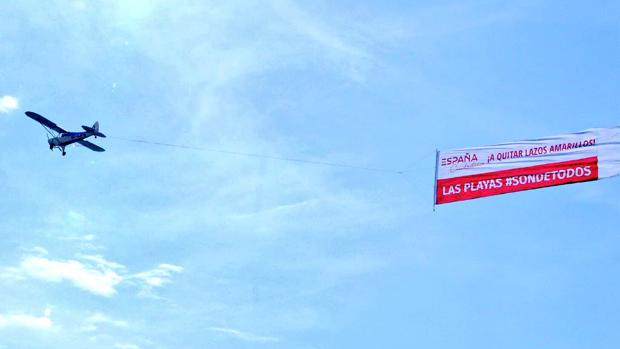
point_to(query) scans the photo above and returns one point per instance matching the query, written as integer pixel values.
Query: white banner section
(470, 173)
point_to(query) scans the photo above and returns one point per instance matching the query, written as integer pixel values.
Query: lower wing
(91, 146)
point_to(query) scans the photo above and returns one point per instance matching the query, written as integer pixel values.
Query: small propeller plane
(62, 138)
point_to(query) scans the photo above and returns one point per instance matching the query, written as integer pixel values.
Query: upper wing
(45, 122)
(91, 146)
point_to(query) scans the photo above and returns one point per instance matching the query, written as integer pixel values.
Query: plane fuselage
(67, 138)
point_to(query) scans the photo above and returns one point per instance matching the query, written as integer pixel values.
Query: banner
(470, 173)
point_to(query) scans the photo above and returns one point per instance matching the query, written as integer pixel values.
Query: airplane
(63, 138)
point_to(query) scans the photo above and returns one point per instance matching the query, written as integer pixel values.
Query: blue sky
(154, 247)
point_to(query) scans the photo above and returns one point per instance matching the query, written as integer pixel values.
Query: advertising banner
(470, 173)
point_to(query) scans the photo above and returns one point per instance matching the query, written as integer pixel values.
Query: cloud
(157, 277)
(248, 337)
(37, 250)
(95, 320)
(92, 273)
(283, 35)
(87, 237)
(126, 346)
(22, 320)
(84, 242)
(8, 103)
(97, 279)
(337, 44)
(102, 262)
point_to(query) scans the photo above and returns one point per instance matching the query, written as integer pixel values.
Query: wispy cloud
(24, 320)
(126, 346)
(93, 322)
(37, 250)
(8, 103)
(284, 35)
(341, 46)
(87, 237)
(245, 336)
(92, 273)
(97, 279)
(157, 277)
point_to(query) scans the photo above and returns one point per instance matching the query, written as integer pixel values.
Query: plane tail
(94, 130)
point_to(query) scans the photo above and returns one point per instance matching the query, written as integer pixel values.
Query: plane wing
(91, 146)
(45, 122)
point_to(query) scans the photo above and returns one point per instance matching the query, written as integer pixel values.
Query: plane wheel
(64, 153)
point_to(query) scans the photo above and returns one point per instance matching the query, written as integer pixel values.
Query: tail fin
(94, 130)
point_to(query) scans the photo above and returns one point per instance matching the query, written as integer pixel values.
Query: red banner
(516, 179)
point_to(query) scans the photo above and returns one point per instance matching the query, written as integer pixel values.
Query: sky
(147, 246)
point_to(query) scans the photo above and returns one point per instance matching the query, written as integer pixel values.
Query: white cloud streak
(94, 321)
(336, 43)
(28, 321)
(150, 279)
(92, 273)
(245, 336)
(126, 346)
(99, 280)
(37, 250)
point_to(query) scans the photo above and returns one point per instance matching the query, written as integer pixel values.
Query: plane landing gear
(51, 147)
(63, 151)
